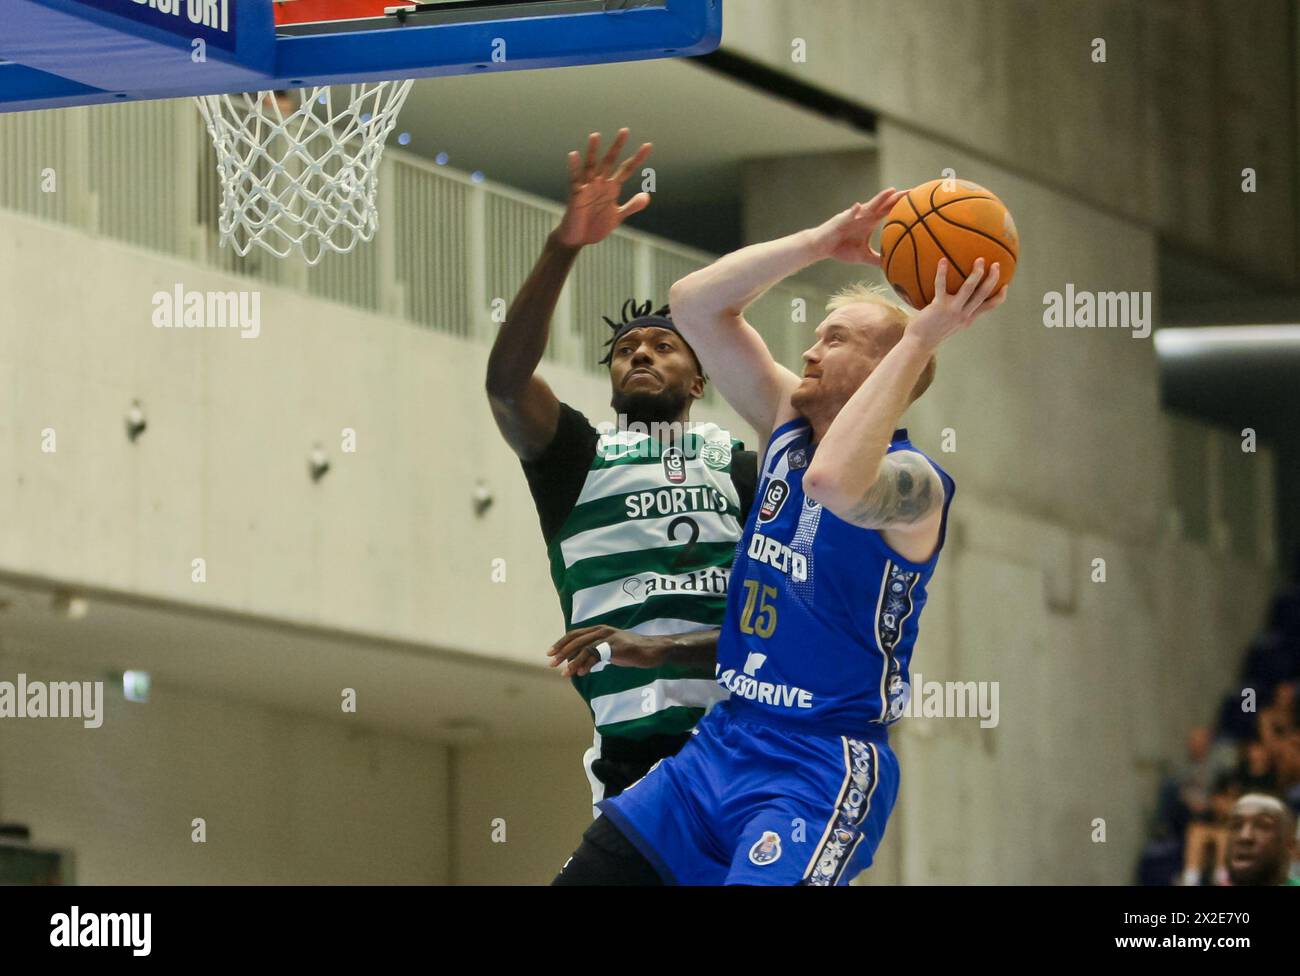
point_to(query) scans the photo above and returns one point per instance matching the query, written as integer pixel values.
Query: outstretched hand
(847, 235)
(593, 211)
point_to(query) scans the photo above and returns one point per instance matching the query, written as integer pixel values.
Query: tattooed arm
(906, 491)
(855, 476)
(905, 503)
(852, 473)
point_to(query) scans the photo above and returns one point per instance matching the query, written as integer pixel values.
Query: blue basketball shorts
(746, 802)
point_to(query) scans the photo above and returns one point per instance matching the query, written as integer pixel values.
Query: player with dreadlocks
(640, 523)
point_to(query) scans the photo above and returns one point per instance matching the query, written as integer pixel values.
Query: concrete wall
(521, 810)
(386, 547)
(1063, 457)
(387, 544)
(1186, 98)
(286, 798)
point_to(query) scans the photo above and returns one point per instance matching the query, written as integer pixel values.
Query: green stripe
(671, 721)
(612, 679)
(700, 609)
(609, 514)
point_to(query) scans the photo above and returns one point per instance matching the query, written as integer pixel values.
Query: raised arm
(525, 409)
(852, 473)
(708, 307)
(733, 354)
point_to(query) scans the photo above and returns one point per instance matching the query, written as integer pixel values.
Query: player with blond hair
(791, 780)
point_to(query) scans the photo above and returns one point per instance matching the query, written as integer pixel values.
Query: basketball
(956, 219)
(423, 429)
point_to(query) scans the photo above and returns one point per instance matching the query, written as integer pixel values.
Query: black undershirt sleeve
(557, 475)
(744, 475)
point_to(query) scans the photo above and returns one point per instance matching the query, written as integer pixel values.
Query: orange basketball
(956, 219)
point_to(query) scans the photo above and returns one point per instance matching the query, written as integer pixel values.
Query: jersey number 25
(764, 625)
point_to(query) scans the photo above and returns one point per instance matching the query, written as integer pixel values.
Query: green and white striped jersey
(646, 545)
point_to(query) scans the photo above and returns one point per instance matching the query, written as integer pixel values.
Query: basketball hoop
(301, 179)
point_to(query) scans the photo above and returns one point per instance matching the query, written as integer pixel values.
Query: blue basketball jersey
(822, 615)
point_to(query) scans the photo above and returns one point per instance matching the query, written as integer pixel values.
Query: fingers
(979, 293)
(968, 286)
(566, 647)
(635, 205)
(986, 289)
(632, 162)
(978, 288)
(941, 279)
(883, 201)
(587, 658)
(860, 220)
(585, 170)
(576, 650)
(611, 155)
(873, 210)
(572, 642)
(593, 143)
(993, 302)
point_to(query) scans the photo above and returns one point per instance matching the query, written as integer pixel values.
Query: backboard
(56, 53)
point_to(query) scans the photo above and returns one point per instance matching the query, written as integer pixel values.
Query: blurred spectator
(1255, 774)
(1185, 796)
(1204, 854)
(1205, 847)
(1228, 811)
(1286, 761)
(1261, 841)
(1278, 717)
(1196, 775)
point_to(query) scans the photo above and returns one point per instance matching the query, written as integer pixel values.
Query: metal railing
(448, 256)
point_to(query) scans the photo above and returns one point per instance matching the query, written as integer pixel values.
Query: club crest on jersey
(773, 498)
(798, 458)
(766, 849)
(674, 465)
(716, 455)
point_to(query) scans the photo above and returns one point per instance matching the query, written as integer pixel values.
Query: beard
(806, 397)
(649, 408)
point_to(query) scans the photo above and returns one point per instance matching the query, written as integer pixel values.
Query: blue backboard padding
(162, 70)
(216, 21)
(536, 42)
(120, 45)
(29, 88)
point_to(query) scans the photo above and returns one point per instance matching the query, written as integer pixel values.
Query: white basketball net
(299, 169)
